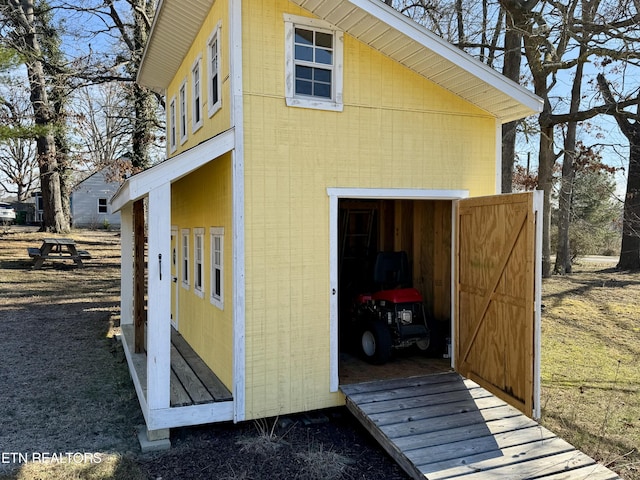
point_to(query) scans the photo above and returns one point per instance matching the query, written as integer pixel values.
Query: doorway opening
(422, 229)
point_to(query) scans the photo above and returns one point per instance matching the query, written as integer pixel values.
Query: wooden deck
(192, 381)
(442, 426)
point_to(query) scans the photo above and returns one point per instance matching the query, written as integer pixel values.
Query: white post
(159, 298)
(126, 265)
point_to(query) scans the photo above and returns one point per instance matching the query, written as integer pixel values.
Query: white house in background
(90, 201)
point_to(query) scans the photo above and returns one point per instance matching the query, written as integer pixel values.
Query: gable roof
(371, 22)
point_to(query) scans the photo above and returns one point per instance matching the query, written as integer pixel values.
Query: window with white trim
(198, 255)
(214, 85)
(183, 112)
(196, 94)
(314, 63)
(173, 139)
(185, 257)
(217, 270)
(102, 205)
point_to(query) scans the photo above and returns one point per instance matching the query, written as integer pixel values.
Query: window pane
(304, 87)
(324, 56)
(217, 283)
(324, 40)
(305, 73)
(304, 37)
(322, 90)
(322, 75)
(304, 53)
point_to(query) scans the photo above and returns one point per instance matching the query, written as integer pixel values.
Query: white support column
(159, 298)
(126, 264)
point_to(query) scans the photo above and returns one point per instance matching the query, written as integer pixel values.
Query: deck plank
(178, 395)
(189, 380)
(447, 427)
(211, 382)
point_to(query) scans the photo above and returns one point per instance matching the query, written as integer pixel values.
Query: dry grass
(65, 382)
(590, 364)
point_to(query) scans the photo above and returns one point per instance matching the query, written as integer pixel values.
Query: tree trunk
(511, 70)
(630, 250)
(53, 217)
(545, 183)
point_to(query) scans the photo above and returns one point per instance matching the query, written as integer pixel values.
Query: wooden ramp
(442, 426)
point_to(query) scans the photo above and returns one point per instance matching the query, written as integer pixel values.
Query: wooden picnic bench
(57, 249)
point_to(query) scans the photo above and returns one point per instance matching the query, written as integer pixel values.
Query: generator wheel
(376, 342)
(423, 343)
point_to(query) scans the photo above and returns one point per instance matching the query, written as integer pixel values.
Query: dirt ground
(66, 394)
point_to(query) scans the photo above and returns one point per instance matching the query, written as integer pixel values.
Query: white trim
(159, 299)
(379, 193)
(195, 109)
(498, 156)
(212, 108)
(132, 359)
(173, 169)
(238, 240)
(190, 415)
(292, 100)
(538, 204)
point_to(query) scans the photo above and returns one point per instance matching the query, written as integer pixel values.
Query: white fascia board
(138, 186)
(397, 193)
(403, 24)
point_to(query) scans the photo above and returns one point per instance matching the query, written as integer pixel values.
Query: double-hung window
(213, 60)
(102, 205)
(196, 94)
(314, 63)
(185, 258)
(173, 139)
(198, 255)
(217, 272)
(183, 112)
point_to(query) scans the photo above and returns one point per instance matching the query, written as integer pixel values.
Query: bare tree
(22, 34)
(629, 124)
(18, 163)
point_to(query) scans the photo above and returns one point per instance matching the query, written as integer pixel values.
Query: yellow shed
(303, 138)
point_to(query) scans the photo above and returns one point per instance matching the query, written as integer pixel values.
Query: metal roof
(371, 22)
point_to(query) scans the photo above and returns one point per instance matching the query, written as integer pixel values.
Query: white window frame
(105, 205)
(217, 263)
(197, 109)
(173, 132)
(198, 261)
(335, 102)
(213, 54)
(182, 97)
(184, 256)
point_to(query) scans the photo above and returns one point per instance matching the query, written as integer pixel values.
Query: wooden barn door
(495, 324)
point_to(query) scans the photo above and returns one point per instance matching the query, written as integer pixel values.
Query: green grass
(590, 364)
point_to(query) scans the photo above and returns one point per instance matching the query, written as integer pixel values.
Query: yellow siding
(203, 200)
(221, 120)
(397, 130)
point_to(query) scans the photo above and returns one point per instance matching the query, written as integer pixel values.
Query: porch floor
(192, 381)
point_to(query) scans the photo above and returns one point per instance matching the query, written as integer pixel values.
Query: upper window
(183, 112)
(313, 63)
(102, 205)
(213, 59)
(196, 88)
(173, 143)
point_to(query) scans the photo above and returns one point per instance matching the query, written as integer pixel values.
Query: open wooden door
(496, 322)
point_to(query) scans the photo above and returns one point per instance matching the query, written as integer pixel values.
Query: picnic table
(57, 249)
